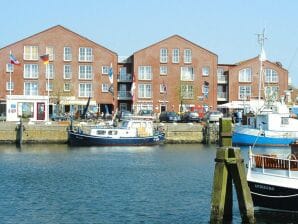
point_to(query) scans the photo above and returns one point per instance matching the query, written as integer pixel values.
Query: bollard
(19, 133)
(230, 167)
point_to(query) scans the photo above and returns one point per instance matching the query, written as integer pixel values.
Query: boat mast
(262, 58)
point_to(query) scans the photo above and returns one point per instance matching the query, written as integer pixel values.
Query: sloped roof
(179, 37)
(63, 28)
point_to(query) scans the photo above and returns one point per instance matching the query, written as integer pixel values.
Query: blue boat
(270, 127)
(130, 133)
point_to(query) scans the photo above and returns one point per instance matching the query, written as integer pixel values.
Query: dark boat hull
(274, 197)
(81, 139)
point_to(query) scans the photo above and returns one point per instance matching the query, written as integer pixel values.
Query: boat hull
(251, 139)
(81, 139)
(267, 196)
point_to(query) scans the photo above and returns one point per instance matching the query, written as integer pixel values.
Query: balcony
(222, 96)
(222, 79)
(124, 78)
(124, 95)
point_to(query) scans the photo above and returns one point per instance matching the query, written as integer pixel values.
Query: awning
(77, 102)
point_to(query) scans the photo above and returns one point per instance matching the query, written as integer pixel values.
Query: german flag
(45, 58)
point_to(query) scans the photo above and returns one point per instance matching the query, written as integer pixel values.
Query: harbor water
(156, 184)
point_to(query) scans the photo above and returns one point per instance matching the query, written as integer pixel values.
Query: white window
(67, 56)
(244, 92)
(163, 55)
(49, 86)
(9, 67)
(145, 91)
(271, 76)
(67, 72)
(163, 70)
(67, 87)
(85, 89)
(162, 88)
(31, 53)
(187, 56)
(85, 54)
(49, 71)
(145, 73)
(187, 74)
(206, 71)
(105, 70)
(31, 88)
(175, 55)
(245, 75)
(105, 87)
(30, 71)
(50, 52)
(9, 85)
(220, 72)
(85, 72)
(272, 92)
(187, 92)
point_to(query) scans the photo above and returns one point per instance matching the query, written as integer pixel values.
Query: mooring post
(19, 133)
(230, 167)
(225, 132)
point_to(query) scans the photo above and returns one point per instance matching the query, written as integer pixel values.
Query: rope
(277, 196)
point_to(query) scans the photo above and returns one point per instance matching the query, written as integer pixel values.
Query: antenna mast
(262, 58)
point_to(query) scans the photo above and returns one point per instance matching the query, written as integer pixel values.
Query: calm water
(160, 184)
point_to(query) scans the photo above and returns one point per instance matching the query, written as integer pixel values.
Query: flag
(13, 59)
(45, 58)
(111, 74)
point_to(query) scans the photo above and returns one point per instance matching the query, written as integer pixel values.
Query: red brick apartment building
(172, 74)
(243, 80)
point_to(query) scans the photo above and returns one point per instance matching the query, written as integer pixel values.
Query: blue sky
(227, 28)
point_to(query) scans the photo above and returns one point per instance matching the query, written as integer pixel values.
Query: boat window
(112, 132)
(101, 132)
(284, 120)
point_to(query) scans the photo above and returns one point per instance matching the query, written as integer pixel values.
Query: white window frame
(31, 71)
(145, 73)
(85, 54)
(85, 89)
(104, 87)
(245, 75)
(49, 86)
(9, 67)
(50, 52)
(145, 91)
(244, 92)
(67, 71)
(9, 86)
(187, 56)
(105, 69)
(163, 55)
(163, 70)
(163, 88)
(50, 71)
(187, 73)
(271, 76)
(30, 53)
(33, 88)
(85, 72)
(205, 71)
(66, 87)
(175, 55)
(187, 91)
(67, 54)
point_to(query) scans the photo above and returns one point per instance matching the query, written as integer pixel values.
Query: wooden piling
(19, 133)
(225, 132)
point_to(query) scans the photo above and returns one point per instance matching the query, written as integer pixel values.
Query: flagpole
(10, 75)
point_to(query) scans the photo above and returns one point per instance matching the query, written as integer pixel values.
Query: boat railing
(271, 163)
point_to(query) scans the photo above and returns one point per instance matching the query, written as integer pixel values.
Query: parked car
(169, 116)
(213, 116)
(190, 116)
(145, 113)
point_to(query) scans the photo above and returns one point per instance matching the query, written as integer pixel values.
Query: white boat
(131, 132)
(273, 126)
(273, 181)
